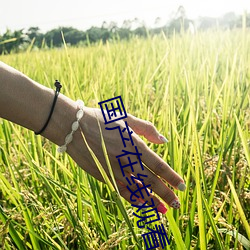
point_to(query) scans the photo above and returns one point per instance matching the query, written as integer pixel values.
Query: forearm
(27, 103)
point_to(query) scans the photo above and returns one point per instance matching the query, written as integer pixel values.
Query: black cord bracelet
(58, 87)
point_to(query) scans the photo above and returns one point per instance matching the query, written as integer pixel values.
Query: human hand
(155, 168)
(21, 98)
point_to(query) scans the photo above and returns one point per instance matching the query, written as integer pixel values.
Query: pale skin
(28, 103)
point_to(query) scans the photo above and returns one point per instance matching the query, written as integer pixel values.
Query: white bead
(68, 138)
(80, 103)
(79, 114)
(62, 149)
(75, 126)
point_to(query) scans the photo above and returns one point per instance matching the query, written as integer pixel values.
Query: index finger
(146, 129)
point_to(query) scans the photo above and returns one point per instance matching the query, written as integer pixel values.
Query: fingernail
(175, 204)
(161, 208)
(181, 186)
(140, 204)
(163, 138)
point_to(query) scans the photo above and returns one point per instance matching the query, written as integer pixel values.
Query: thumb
(146, 129)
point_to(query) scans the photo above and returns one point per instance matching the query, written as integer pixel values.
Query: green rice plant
(194, 88)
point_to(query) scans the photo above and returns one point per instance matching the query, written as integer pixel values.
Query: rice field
(194, 88)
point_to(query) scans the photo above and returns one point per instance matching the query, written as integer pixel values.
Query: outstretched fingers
(157, 168)
(151, 159)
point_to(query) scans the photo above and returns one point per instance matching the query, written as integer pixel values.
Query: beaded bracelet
(74, 127)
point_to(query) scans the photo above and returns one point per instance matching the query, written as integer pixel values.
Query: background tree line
(20, 40)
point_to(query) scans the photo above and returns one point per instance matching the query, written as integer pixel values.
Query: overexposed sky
(82, 14)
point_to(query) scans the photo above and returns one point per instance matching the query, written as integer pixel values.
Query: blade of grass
(215, 231)
(239, 207)
(176, 231)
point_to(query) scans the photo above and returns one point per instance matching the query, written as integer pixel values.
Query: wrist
(61, 120)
